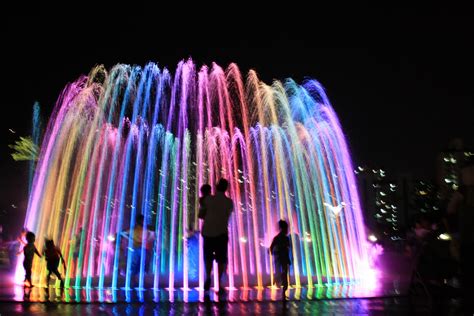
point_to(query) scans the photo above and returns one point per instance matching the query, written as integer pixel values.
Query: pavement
(391, 294)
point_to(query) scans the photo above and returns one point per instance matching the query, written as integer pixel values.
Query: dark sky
(400, 79)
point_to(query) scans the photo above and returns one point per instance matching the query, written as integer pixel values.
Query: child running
(53, 256)
(29, 251)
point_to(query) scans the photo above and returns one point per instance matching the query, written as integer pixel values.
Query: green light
(24, 149)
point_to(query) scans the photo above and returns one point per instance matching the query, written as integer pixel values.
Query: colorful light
(139, 141)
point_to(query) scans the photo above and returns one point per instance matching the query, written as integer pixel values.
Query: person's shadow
(46, 293)
(222, 297)
(26, 293)
(214, 308)
(207, 304)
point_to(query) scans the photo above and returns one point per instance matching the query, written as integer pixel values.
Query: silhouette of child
(280, 248)
(205, 192)
(53, 256)
(29, 250)
(22, 237)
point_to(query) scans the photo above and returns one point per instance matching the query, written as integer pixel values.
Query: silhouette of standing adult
(215, 232)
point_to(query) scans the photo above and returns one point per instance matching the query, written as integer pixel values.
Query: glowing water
(143, 141)
(35, 135)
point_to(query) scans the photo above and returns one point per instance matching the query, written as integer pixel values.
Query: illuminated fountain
(142, 141)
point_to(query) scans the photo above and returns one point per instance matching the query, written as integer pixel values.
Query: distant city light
(444, 236)
(111, 238)
(372, 238)
(243, 239)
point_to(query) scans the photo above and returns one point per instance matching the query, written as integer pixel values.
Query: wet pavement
(387, 306)
(390, 282)
(390, 295)
(332, 300)
(80, 295)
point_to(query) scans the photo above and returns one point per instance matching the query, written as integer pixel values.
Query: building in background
(425, 198)
(449, 163)
(383, 200)
(392, 203)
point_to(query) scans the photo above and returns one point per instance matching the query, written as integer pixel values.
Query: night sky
(400, 79)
